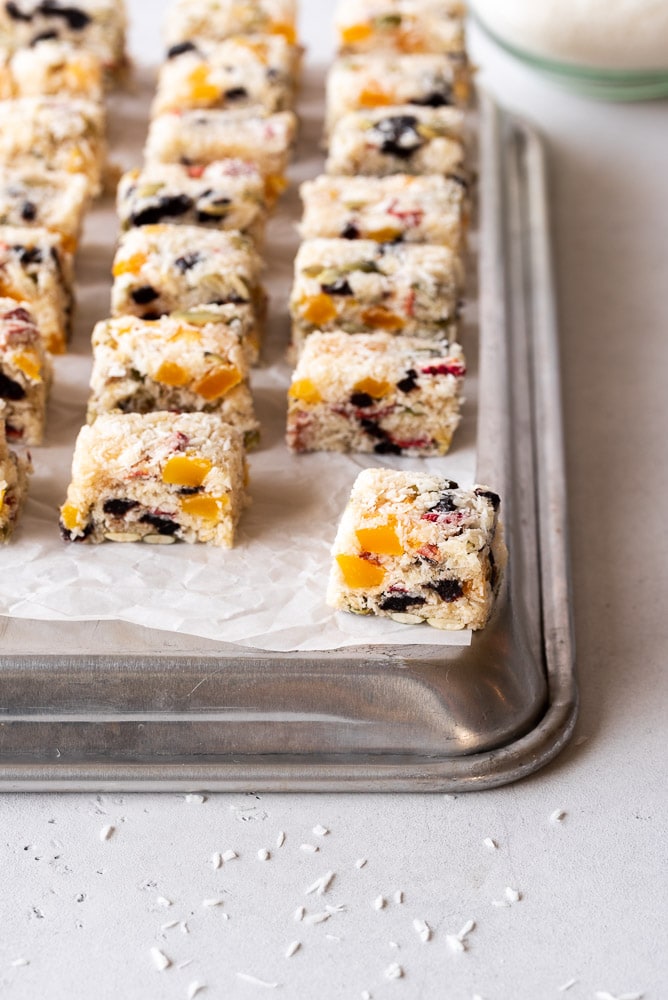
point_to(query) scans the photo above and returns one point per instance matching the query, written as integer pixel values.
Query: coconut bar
(415, 547)
(157, 478)
(169, 364)
(401, 25)
(218, 19)
(227, 194)
(240, 72)
(363, 286)
(36, 269)
(25, 374)
(400, 208)
(96, 26)
(375, 393)
(163, 269)
(405, 139)
(14, 471)
(45, 132)
(52, 68)
(200, 137)
(358, 82)
(44, 199)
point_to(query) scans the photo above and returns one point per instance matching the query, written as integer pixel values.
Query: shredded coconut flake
(183, 927)
(422, 929)
(19, 963)
(185, 963)
(318, 918)
(466, 929)
(365, 995)
(280, 840)
(320, 831)
(393, 944)
(263, 854)
(255, 981)
(321, 885)
(512, 895)
(194, 989)
(360, 863)
(299, 913)
(212, 902)
(379, 903)
(332, 937)
(160, 960)
(195, 799)
(309, 848)
(106, 832)
(292, 949)
(398, 896)
(394, 971)
(339, 908)
(557, 816)
(567, 985)
(454, 943)
(162, 901)
(605, 995)
(217, 860)
(230, 855)
(491, 843)
(500, 902)
(168, 926)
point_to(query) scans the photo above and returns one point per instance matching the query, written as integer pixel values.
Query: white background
(84, 913)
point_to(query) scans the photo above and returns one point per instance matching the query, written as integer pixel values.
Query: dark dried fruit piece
(401, 602)
(493, 498)
(236, 94)
(399, 136)
(142, 296)
(339, 287)
(28, 255)
(71, 536)
(15, 13)
(9, 389)
(119, 507)
(448, 590)
(409, 383)
(43, 36)
(178, 50)
(188, 260)
(168, 207)
(28, 211)
(361, 400)
(350, 232)
(445, 505)
(75, 19)
(163, 525)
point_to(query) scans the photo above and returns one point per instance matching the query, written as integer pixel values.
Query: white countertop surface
(81, 914)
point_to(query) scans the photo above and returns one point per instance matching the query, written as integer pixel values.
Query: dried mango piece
(358, 572)
(353, 34)
(28, 362)
(305, 391)
(169, 373)
(372, 387)
(318, 309)
(381, 541)
(129, 265)
(202, 89)
(207, 508)
(381, 318)
(216, 382)
(186, 470)
(71, 517)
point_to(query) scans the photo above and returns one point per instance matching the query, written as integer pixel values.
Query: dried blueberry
(236, 94)
(187, 261)
(28, 255)
(28, 211)
(399, 136)
(142, 296)
(439, 97)
(361, 400)
(15, 13)
(188, 491)
(71, 536)
(445, 505)
(163, 525)
(118, 507)
(387, 448)
(350, 232)
(447, 590)
(401, 602)
(167, 207)
(9, 389)
(339, 287)
(178, 50)
(493, 498)
(75, 19)
(373, 430)
(43, 36)
(493, 571)
(408, 383)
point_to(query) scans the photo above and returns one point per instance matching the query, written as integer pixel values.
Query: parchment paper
(269, 591)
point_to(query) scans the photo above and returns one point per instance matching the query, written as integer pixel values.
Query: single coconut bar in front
(227, 194)
(375, 393)
(401, 25)
(48, 132)
(201, 137)
(141, 366)
(157, 478)
(218, 19)
(52, 68)
(94, 26)
(45, 199)
(373, 81)
(416, 548)
(36, 270)
(402, 139)
(240, 72)
(25, 374)
(14, 471)
(401, 208)
(361, 286)
(164, 268)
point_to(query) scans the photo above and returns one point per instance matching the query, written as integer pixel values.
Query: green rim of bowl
(604, 84)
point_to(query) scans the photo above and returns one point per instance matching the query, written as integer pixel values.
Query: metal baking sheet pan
(108, 705)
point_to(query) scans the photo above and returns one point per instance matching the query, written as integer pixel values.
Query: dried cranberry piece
(447, 590)
(142, 296)
(401, 602)
(163, 525)
(119, 507)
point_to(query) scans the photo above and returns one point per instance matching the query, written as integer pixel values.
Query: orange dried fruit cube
(359, 573)
(169, 373)
(381, 541)
(283, 28)
(375, 97)
(129, 265)
(71, 517)
(186, 470)
(386, 235)
(28, 362)
(305, 391)
(274, 186)
(207, 508)
(318, 309)
(381, 318)
(217, 382)
(355, 33)
(202, 90)
(372, 387)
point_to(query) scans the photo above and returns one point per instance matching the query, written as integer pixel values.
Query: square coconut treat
(52, 68)
(200, 137)
(401, 25)
(156, 478)
(95, 26)
(25, 374)
(404, 139)
(218, 19)
(361, 286)
(163, 269)
(170, 364)
(227, 194)
(373, 81)
(416, 548)
(46, 132)
(240, 72)
(36, 270)
(14, 471)
(44, 199)
(375, 393)
(401, 208)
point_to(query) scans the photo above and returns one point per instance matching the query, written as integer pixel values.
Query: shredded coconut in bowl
(605, 34)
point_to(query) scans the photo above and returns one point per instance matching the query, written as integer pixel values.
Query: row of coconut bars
(376, 300)
(170, 415)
